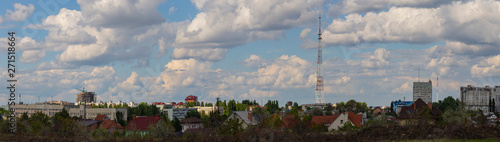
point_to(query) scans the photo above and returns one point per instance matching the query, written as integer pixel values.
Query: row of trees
(202, 104)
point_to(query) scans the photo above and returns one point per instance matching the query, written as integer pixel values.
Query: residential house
(111, 126)
(191, 123)
(334, 122)
(243, 116)
(141, 123)
(419, 112)
(101, 117)
(89, 124)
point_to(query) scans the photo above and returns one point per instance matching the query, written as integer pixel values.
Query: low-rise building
(141, 123)
(334, 122)
(191, 123)
(419, 111)
(243, 116)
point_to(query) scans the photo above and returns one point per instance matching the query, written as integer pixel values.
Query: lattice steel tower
(319, 82)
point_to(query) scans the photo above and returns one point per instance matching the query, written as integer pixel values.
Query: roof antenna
(418, 74)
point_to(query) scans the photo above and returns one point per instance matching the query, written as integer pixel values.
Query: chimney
(250, 116)
(134, 116)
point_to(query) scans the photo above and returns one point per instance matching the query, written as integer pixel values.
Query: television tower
(319, 82)
(437, 91)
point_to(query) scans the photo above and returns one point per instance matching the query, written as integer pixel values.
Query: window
(341, 121)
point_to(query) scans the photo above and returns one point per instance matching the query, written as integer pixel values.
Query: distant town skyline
(163, 51)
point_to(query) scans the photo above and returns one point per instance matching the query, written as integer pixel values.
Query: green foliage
(348, 127)
(248, 102)
(24, 117)
(100, 134)
(119, 118)
(447, 102)
(379, 121)
(459, 116)
(214, 120)
(295, 106)
(192, 113)
(68, 128)
(177, 124)
(352, 105)
(317, 112)
(319, 128)
(40, 124)
(231, 127)
(272, 106)
(143, 109)
(162, 130)
(60, 116)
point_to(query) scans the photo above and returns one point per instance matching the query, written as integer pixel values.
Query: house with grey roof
(243, 116)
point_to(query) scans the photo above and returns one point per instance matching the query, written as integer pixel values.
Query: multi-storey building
(180, 113)
(85, 97)
(73, 110)
(422, 90)
(45, 108)
(478, 98)
(91, 113)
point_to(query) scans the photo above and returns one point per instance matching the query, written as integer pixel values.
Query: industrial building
(422, 90)
(50, 109)
(478, 98)
(91, 113)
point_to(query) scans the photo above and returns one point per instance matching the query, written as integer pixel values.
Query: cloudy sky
(164, 50)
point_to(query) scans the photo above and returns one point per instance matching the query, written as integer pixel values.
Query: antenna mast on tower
(437, 91)
(319, 82)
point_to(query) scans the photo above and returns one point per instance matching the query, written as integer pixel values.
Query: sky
(165, 50)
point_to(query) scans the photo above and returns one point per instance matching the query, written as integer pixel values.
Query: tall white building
(422, 90)
(478, 98)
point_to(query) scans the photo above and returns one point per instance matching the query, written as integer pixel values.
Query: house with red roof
(333, 122)
(191, 98)
(141, 123)
(111, 126)
(101, 117)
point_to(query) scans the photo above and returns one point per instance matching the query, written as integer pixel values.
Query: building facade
(85, 97)
(422, 90)
(47, 109)
(51, 109)
(93, 112)
(180, 113)
(478, 98)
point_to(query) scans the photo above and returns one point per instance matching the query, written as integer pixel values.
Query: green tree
(24, 116)
(231, 127)
(60, 116)
(119, 118)
(192, 113)
(295, 106)
(348, 127)
(317, 112)
(40, 123)
(162, 130)
(176, 124)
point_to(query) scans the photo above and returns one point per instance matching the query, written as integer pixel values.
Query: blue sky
(165, 50)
